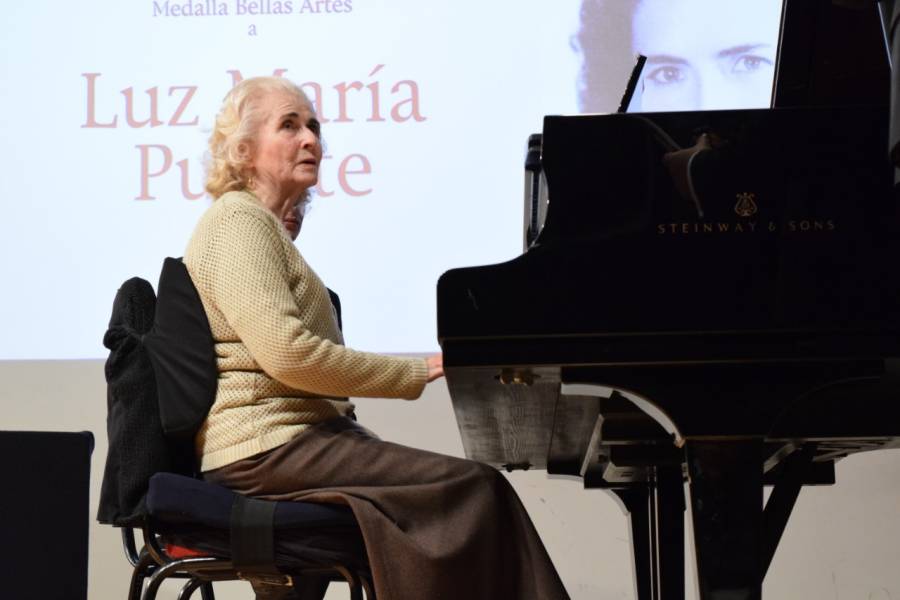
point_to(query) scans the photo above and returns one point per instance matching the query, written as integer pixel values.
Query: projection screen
(425, 106)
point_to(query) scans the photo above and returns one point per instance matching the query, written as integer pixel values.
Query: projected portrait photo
(701, 54)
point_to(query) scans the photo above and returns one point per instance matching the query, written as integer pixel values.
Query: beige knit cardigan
(280, 354)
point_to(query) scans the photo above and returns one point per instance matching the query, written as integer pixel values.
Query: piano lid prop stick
(632, 83)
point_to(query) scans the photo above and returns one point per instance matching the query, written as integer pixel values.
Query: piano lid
(831, 53)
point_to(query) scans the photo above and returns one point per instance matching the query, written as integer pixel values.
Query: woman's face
(706, 54)
(287, 150)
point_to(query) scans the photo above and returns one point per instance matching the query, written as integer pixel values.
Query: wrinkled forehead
(278, 103)
(689, 27)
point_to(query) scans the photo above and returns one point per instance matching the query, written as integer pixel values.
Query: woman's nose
(308, 137)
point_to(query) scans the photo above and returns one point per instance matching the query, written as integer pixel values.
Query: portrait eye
(749, 63)
(288, 124)
(315, 127)
(667, 75)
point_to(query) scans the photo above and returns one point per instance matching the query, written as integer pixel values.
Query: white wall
(840, 544)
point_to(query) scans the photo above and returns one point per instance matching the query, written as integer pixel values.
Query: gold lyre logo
(746, 204)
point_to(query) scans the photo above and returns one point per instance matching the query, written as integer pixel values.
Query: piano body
(729, 319)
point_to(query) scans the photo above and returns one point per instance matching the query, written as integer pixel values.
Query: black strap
(252, 535)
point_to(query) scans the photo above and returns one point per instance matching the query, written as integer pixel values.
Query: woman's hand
(435, 364)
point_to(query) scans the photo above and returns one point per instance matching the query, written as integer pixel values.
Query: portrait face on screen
(701, 54)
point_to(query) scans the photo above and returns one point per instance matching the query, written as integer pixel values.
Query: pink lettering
(145, 167)
(91, 120)
(153, 119)
(344, 171)
(190, 90)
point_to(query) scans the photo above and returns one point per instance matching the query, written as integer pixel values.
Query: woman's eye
(749, 63)
(287, 125)
(667, 75)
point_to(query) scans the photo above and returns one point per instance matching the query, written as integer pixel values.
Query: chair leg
(273, 592)
(156, 580)
(190, 565)
(310, 587)
(360, 585)
(187, 590)
(206, 591)
(367, 586)
(141, 571)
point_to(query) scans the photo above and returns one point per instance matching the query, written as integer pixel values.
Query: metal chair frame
(153, 564)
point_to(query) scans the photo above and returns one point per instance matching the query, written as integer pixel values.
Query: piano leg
(656, 513)
(637, 502)
(670, 531)
(726, 500)
(782, 499)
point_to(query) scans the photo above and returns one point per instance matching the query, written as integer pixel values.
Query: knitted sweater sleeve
(248, 281)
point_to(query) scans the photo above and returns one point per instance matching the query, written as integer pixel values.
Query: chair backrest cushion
(182, 351)
(137, 447)
(161, 380)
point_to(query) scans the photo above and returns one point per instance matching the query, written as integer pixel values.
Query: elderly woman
(435, 526)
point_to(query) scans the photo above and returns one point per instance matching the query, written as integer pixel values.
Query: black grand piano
(710, 298)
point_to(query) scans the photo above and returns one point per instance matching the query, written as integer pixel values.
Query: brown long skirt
(435, 527)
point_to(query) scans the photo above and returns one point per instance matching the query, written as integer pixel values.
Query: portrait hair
(233, 138)
(606, 61)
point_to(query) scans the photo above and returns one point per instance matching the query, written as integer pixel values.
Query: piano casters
(735, 539)
(656, 513)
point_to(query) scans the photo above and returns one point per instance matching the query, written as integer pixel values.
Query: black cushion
(162, 378)
(179, 500)
(137, 446)
(182, 351)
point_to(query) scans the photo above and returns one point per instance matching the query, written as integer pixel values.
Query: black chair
(161, 379)
(205, 533)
